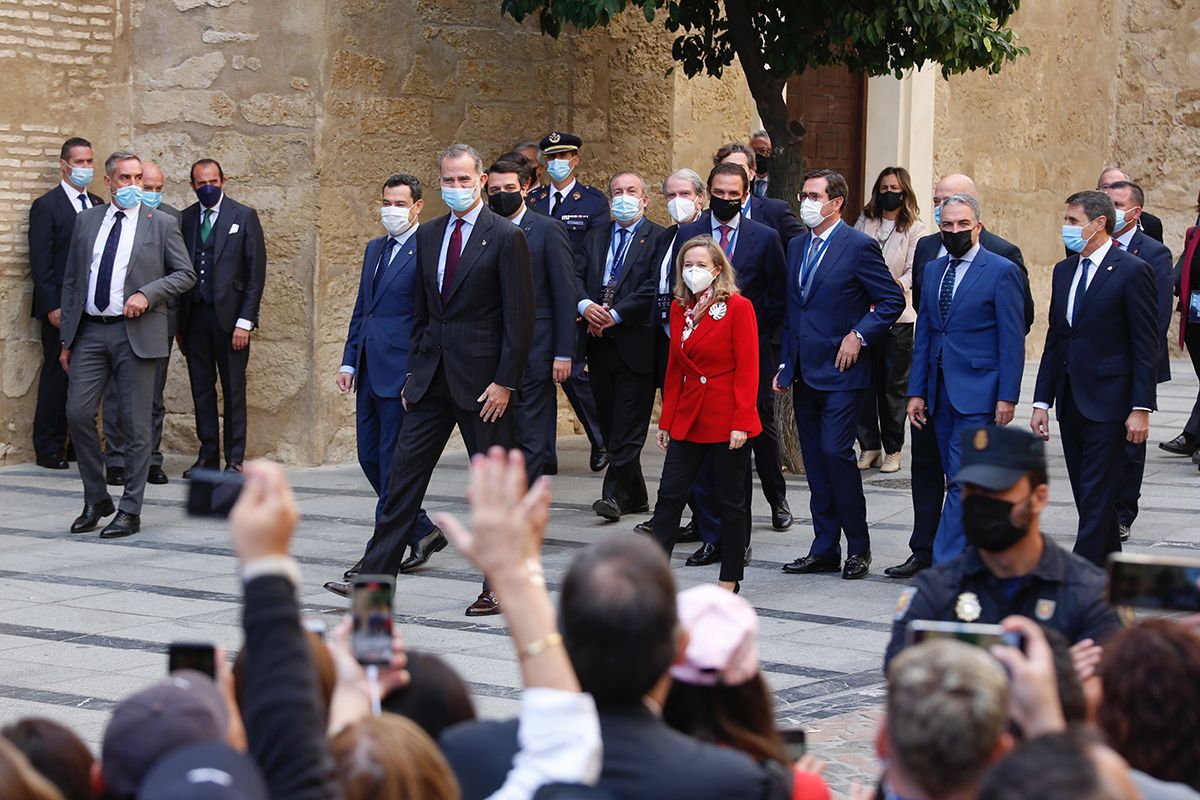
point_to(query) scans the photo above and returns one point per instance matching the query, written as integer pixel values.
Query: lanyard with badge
(617, 253)
(665, 295)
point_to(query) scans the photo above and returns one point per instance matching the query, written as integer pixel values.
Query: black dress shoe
(115, 476)
(550, 469)
(157, 476)
(857, 567)
(123, 524)
(423, 550)
(644, 528)
(781, 516)
(749, 555)
(1196, 457)
(53, 461)
(91, 516)
(707, 554)
(233, 466)
(599, 459)
(350, 573)
(338, 588)
(906, 570)
(608, 508)
(200, 464)
(1181, 445)
(484, 606)
(737, 587)
(811, 564)
(688, 533)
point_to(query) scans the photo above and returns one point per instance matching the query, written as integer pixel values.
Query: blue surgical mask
(81, 177)
(626, 207)
(128, 196)
(152, 199)
(1072, 236)
(937, 216)
(559, 168)
(1120, 219)
(459, 198)
(208, 195)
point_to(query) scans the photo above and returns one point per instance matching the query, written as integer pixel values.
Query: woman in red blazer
(1187, 287)
(710, 396)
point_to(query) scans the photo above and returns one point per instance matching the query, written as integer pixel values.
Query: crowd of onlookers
(630, 690)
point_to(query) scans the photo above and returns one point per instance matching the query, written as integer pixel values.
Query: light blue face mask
(152, 199)
(626, 207)
(128, 196)
(559, 168)
(459, 198)
(81, 177)
(937, 217)
(1072, 236)
(1120, 219)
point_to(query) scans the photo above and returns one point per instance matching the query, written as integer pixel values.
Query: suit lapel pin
(575, 195)
(1110, 267)
(483, 243)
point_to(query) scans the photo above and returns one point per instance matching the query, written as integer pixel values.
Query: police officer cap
(995, 458)
(559, 142)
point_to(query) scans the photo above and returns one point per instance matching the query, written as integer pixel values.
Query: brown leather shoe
(485, 606)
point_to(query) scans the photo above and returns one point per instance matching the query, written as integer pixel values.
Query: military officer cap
(559, 142)
(995, 457)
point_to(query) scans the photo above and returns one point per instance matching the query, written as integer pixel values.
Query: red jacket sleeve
(673, 381)
(745, 377)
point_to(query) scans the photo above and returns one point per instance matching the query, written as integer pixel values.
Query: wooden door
(831, 103)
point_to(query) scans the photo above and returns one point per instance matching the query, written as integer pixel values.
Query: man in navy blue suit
(773, 213)
(968, 353)
(1128, 198)
(840, 298)
(375, 361)
(1099, 365)
(758, 259)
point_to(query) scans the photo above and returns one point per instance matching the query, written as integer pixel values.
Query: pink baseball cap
(722, 637)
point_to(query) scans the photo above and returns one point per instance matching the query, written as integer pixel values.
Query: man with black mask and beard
(1009, 567)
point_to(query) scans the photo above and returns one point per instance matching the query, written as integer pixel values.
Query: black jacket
(927, 250)
(553, 264)
(51, 220)
(239, 262)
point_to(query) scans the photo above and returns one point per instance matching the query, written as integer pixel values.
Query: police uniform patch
(981, 439)
(576, 195)
(1044, 610)
(967, 608)
(905, 602)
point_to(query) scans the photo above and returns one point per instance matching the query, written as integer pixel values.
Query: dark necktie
(83, 206)
(946, 295)
(107, 258)
(619, 258)
(384, 261)
(453, 254)
(815, 248)
(1119, 244)
(557, 203)
(1080, 289)
(724, 229)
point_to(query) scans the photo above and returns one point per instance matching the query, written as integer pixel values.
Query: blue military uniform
(583, 207)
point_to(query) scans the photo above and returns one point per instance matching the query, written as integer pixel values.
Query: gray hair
(459, 150)
(760, 133)
(637, 175)
(689, 175)
(110, 163)
(1111, 168)
(965, 200)
(536, 145)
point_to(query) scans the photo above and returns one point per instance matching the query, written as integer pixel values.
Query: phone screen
(212, 493)
(978, 634)
(1167, 584)
(372, 609)
(192, 655)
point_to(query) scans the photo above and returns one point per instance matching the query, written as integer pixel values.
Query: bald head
(956, 183)
(152, 177)
(1109, 176)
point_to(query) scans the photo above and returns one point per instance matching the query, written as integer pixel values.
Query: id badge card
(663, 306)
(607, 294)
(1193, 310)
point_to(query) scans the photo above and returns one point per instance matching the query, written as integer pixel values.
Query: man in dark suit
(473, 313)
(968, 353)
(226, 242)
(760, 143)
(928, 475)
(375, 360)
(773, 213)
(1147, 222)
(758, 259)
(581, 208)
(621, 590)
(840, 298)
(125, 263)
(1128, 199)
(1099, 365)
(617, 277)
(553, 346)
(51, 220)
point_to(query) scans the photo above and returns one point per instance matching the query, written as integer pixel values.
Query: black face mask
(762, 164)
(505, 203)
(890, 201)
(989, 525)
(957, 243)
(723, 209)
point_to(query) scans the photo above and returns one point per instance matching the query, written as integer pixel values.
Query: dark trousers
(537, 415)
(114, 439)
(928, 489)
(1191, 339)
(1133, 469)
(948, 426)
(210, 354)
(624, 402)
(884, 407)
(379, 421)
(101, 354)
(427, 427)
(683, 463)
(825, 424)
(578, 390)
(1094, 452)
(50, 414)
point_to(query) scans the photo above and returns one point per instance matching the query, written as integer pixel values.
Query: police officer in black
(581, 208)
(1009, 566)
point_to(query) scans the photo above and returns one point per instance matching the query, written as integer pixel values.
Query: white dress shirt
(565, 191)
(746, 206)
(666, 272)
(400, 240)
(1126, 237)
(73, 195)
(559, 736)
(468, 219)
(632, 227)
(960, 271)
(116, 290)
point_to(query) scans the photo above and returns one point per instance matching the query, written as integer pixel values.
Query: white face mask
(681, 209)
(697, 279)
(810, 212)
(395, 219)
